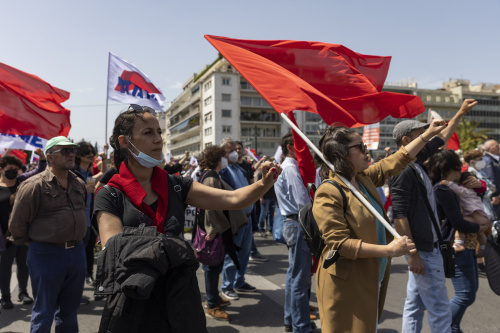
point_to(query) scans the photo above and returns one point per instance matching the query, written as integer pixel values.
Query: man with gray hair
(233, 279)
(491, 171)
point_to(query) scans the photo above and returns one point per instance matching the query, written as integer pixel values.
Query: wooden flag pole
(345, 181)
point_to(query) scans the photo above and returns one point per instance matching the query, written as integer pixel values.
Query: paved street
(263, 311)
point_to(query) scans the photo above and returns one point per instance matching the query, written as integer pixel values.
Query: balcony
(186, 128)
(183, 143)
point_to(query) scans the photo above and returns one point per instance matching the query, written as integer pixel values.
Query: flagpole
(107, 98)
(345, 181)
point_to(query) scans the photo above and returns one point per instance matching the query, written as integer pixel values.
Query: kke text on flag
(128, 84)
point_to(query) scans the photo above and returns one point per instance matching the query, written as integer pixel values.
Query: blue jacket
(491, 171)
(226, 176)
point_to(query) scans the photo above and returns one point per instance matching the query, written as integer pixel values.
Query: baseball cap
(59, 141)
(405, 127)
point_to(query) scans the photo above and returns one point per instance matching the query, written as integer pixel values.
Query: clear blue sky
(67, 42)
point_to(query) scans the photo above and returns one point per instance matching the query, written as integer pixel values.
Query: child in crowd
(472, 208)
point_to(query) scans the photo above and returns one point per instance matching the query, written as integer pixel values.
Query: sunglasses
(65, 151)
(362, 147)
(139, 108)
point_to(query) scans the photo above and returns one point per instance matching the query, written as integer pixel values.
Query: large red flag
(304, 156)
(328, 79)
(31, 106)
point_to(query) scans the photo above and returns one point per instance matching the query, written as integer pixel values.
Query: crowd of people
(134, 204)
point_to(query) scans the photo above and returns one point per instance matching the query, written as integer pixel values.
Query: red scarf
(126, 182)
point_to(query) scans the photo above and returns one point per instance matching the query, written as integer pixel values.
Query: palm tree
(470, 137)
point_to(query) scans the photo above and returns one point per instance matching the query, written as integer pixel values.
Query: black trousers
(89, 241)
(17, 252)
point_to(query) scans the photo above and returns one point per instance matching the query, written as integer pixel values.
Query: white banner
(128, 84)
(193, 161)
(433, 115)
(371, 136)
(24, 142)
(190, 216)
(277, 154)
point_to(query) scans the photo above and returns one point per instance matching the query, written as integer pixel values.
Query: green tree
(470, 137)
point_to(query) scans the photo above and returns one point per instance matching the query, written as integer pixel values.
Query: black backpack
(312, 235)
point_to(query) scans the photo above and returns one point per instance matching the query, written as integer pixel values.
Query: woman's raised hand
(401, 246)
(270, 172)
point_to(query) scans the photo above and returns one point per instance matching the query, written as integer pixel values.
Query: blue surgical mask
(146, 160)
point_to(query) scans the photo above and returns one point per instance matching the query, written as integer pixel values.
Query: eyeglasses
(139, 108)
(65, 151)
(362, 147)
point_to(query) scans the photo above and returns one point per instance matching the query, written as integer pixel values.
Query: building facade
(218, 102)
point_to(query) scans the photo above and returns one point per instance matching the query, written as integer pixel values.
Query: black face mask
(11, 174)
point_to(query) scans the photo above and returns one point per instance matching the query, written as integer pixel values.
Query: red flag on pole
(31, 106)
(304, 156)
(328, 79)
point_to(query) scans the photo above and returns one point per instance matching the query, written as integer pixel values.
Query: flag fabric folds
(328, 79)
(30, 106)
(252, 153)
(128, 84)
(303, 155)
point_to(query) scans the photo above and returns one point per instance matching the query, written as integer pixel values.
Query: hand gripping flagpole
(345, 181)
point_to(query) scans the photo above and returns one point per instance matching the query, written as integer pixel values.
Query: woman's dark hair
(334, 146)
(84, 149)
(124, 125)
(211, 157)
(9, 159)
(441, 163)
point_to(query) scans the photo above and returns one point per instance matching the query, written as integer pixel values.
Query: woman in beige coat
(352, 291)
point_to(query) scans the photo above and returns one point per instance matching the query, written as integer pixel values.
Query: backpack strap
(332, 255)
(177, 187)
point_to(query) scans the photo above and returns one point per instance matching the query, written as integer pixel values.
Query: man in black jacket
(426, 287)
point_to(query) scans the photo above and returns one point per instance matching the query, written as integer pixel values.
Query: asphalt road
(263, 311)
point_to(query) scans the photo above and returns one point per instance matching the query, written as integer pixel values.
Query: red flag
(31, 106)
(304, 156)
(454, 142)
(19, 154)
(328, 79)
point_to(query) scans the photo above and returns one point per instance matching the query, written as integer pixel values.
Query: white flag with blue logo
(128, 84)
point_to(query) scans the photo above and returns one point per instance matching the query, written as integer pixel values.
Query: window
(208, 100)
(246, 100)
(226, 128)
(226, 81)
(208, 144)
(226, 113)
(226, 97)
(208, 131)
(208, 117)
(207, 85)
